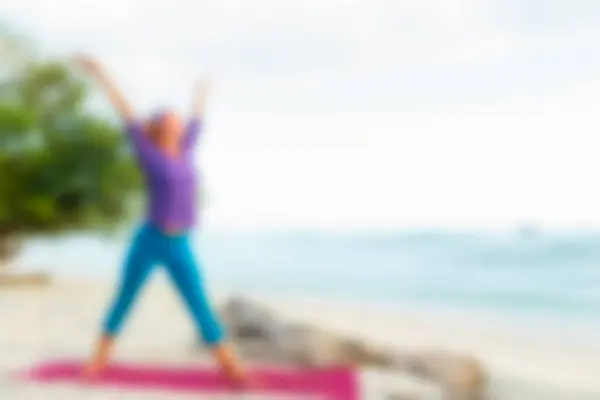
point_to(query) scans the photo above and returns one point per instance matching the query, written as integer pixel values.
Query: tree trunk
(9, 247)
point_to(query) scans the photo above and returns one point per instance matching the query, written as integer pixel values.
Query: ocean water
(536, 278)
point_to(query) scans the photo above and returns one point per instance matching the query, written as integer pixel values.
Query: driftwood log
(21, 281)
(264, 337)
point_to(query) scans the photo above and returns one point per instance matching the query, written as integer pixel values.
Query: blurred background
(435, 156)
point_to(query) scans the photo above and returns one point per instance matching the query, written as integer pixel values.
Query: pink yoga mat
(330, 383)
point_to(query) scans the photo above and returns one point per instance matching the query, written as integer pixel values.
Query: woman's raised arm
(97, 72)
(142, 145)
(197, 118)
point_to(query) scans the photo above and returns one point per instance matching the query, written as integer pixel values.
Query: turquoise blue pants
(150, 247)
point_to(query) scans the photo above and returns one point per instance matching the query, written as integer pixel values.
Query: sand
(62, 320)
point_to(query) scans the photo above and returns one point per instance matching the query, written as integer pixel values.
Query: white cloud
(268, 34)
(361, 29)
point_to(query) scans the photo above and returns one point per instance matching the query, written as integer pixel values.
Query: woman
(163, 147)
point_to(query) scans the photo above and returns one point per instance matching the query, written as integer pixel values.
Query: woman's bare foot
(99, 361)
(93, 369)
(242, 380)
(232, 368)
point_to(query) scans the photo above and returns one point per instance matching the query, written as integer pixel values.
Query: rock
(256, 330)
(257, 333)
(246, 320)
(361, 353)
(462, 377)
(377, 384)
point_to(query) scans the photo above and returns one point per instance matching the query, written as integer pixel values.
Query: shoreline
(483, 313)
(518, 363)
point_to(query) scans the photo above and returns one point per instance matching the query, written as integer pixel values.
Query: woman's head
(165, 128)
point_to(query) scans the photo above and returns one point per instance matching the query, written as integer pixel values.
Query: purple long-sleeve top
(172, 183)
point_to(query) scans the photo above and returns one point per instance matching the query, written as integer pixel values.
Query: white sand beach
(61, 320)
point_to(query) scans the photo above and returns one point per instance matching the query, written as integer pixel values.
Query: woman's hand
(87, 63)
(92, 67)
(197, 116)
(202, 89)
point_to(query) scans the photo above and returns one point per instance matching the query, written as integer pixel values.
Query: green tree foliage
(62, 167)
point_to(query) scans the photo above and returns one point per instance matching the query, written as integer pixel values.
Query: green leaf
(62, 167)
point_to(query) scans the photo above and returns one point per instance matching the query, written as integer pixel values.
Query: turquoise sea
(538, 279)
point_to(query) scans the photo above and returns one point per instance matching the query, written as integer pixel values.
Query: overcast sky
(375, 113)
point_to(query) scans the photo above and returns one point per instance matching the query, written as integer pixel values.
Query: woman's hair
(153, 126)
